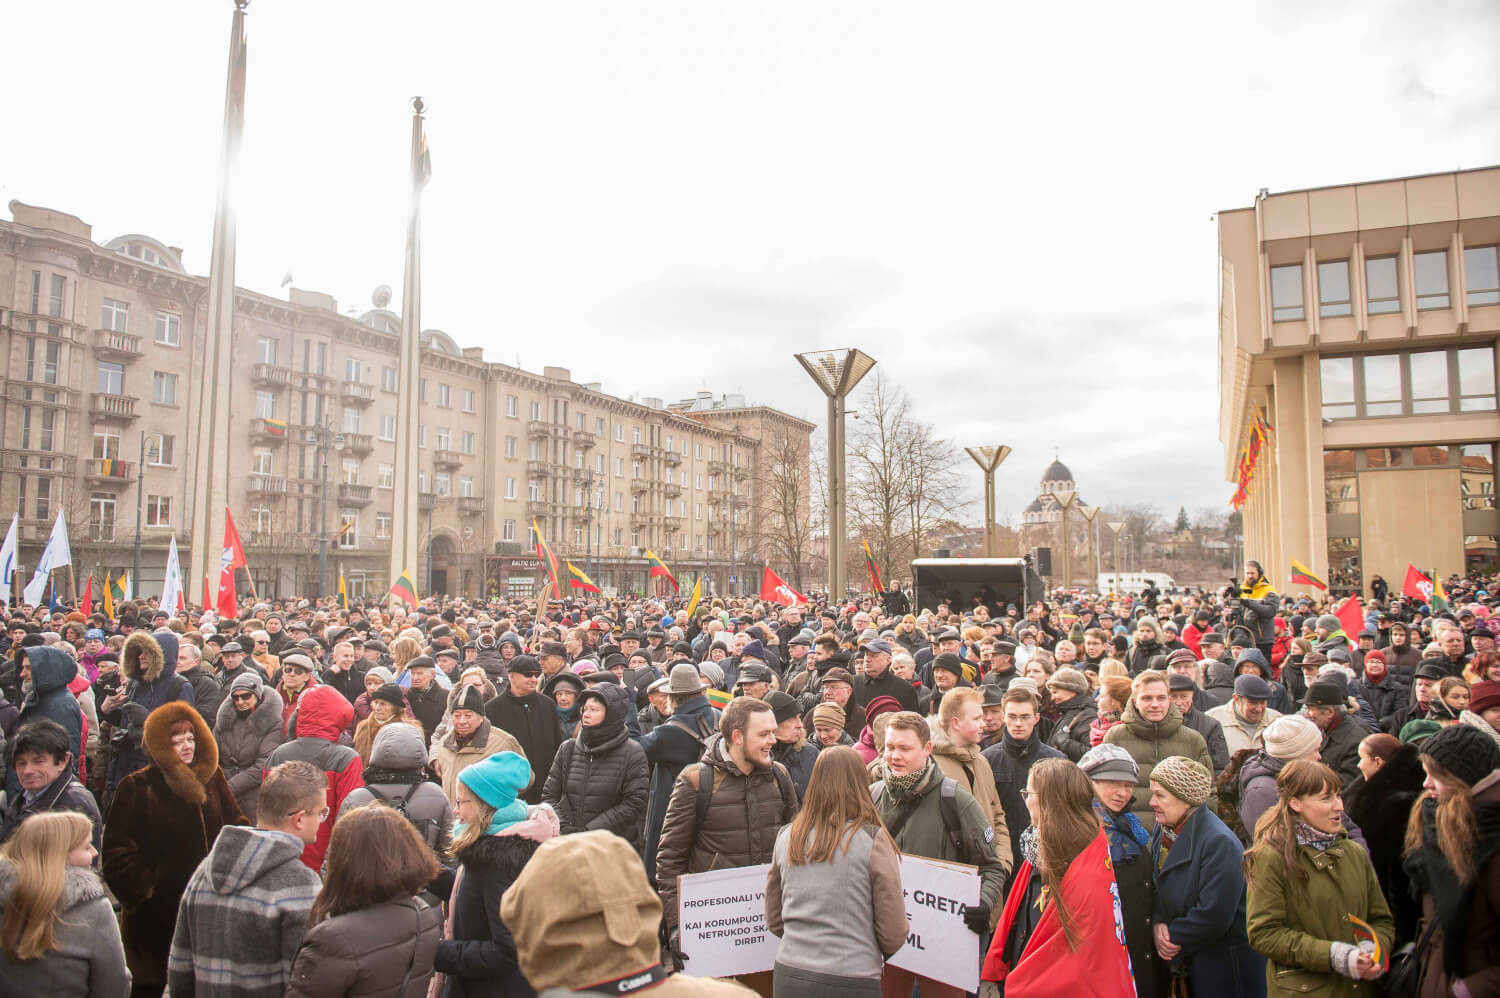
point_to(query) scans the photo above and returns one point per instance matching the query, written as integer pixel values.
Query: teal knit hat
(499, 779)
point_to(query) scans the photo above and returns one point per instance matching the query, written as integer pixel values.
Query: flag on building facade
(171, 587)
(773, 588)
(1302, 575)
(405, 590)
(544, 553)
(872, 568)
(274, 427)
(579, 580)
(8, 552)
(697, 595)
(55, 555)
(659, 570)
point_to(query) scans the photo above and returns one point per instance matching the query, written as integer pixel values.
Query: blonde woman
(58, 934)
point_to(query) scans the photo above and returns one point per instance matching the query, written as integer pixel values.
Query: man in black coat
(428, 700)
(879, 680)
(343, 672)
(1342, 732)
(530, 718)
(1011, 760)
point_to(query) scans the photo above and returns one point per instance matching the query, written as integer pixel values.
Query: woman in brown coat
(162, 822)
(370, 936)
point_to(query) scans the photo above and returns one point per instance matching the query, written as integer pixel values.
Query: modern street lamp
(322, 434)
(836, 372)
(1115, 526)
(988, 459)
(140, 481)
(1065, 500)
(1089, 512)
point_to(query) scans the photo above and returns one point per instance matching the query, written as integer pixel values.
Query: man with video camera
(1251, 604)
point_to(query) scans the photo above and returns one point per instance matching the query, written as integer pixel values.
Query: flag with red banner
(207, 601)
(773, 588)
(1351, 616)
(88, 596)
(1417, 585)
(229, 601)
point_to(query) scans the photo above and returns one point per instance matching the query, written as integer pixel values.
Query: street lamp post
(140, 482)
(836, 372)
(988, 459)
(1115, 526)
(323, 433)
(1065, 500)
(1089, 513)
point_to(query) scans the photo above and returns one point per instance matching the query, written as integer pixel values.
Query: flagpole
(404, 544)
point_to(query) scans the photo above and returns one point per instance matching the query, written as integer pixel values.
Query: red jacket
(1193, 638)
(1048, 967)
(322, 715)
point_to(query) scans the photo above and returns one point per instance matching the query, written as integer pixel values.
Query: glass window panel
(1429, 382)
(1381, 285)
(1286, 293)
(1477, 479)
(1344, 575)
(1341, 484)
(1337, 375)
(1434, 455)
(1333, 288)
(1482, 275)
(1432, 278)
(1382, 385)
(1476, 371)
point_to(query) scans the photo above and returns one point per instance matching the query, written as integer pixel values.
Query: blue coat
(669, 747)
(1200, 896)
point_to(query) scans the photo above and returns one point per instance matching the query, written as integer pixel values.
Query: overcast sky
(1008, 205)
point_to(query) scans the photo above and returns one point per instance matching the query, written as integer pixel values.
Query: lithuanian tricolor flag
(1439, 598)
(580, 581)
(872, 568)
(545, 554)
(405, 590)
(659, 569)
(697, 595)
(718, 698)
(343, 590)
(275, 427)
(1302, 575)
(110, 468)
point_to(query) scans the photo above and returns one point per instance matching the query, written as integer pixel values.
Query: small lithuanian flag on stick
(405, 590)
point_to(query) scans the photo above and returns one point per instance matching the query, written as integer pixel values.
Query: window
(1432, 279)
(55, 299)
(536, 410)
(1382, 385)
(101, 516)
(697, 511)
(351, 369)
(314, 356)
(265, 405)
(619, 501)
(382, 526)
(599, 464)
(578, 459)
(111, 378)
(168, 329)
(260, 520)
(422, 390)
(265, 350)
(635, 469)
(445, 396)
(510, 405)
(387, 427)
(635, 434)
(533, 451)
(466, 442)
(533, 490)
(670, 442)
(1482, 274)
(578, 535)
(42, 357)
(260, 461)
(444, 438)
(388, 379)
(468, 400)
(351, 471)
(510, 488)
(444, 483)
(619, 467)
(508, 530)
(115, 315)
(698, 452)
(510, 447)
(620, 433)
(1429, 382)
(1337, 374)
(106, 444)
(43, 498)
(161, 455)
(580, 421)
(1382, 289)
(1405, 384)
(598, 426)
(421, 434)
(164, 388)
(698, 481)
(385, 477)
(351, 420)
(1476, 379)
(1286, 293)
(1333, 289)
(158, 511)
(466, 486)
(348, 536)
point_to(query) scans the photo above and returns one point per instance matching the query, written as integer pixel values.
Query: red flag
(1351, 616)
(206, 601)
(1417, 585)
(88, 596)
(777, 591)
(232, 542)
(229, 601)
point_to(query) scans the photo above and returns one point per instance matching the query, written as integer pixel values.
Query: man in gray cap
(1246, 714)
(755, 679)
(233, 665)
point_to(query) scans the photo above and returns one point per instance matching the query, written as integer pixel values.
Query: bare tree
(784, 497)
(933, 488)
(877, 458)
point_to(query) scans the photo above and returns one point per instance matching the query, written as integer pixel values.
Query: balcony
(585, 439)
(538, 428)
(718, 467)
(672, 458)
(447, 458)
(640, 521)
(39, 393)
(102, 533)
(109, 473)
(120, 407)
(355, 495)
(426, 501)
(640, 451)
(270, 375)
(470, 505)
(673, 490)
(116, 346)
(357, 393)
(359, 443)
(268, 430)
(718, 497)
(258, 539)
(265, 485)
(539, 508)
(741, 472)
(674, 522)
(537, 469)
(639, 485)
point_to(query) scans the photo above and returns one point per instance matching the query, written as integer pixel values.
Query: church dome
(1035, 507)
(1057, 472)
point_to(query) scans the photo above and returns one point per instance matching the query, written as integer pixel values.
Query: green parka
(1294, 928)
(1148, 743)
(917, 827)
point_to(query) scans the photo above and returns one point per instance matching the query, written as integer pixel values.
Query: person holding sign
(1077, 947)
(928, 814)
(1308, 883)
(833, 894)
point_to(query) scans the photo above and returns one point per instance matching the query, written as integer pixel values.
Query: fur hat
(391, 694)
(1067, 678)
(1184, 779)
(186, 781)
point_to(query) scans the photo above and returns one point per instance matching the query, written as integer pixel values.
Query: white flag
(8, 557)
(171, 588)
(55, 555)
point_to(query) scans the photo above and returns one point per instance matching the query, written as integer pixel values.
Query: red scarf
(1100, 968)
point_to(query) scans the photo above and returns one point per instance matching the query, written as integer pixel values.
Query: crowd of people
(1209, 793)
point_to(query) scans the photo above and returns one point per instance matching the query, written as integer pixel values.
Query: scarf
(901, 787)
(1169, 836)
(1128, 838)
(1019, 750)
(1310, 836)
(502, 819)
(598, 734)
(1030, 845)
(376, 775)
(1430, 871)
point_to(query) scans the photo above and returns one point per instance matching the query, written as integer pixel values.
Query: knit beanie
(1328, 622)
(1109, 762)
(1184, 779)
(1024, 683)
(829, 714)
(1483, 695)
(381, 673)
(1068, 678)
(391, 694)
(497, 780)
(1466, 752)
(784, 706)
(1291, 737)
(469, 698)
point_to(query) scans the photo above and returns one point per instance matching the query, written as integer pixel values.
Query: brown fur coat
(161, 824)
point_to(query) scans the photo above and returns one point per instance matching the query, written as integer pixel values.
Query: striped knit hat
(1184, 779)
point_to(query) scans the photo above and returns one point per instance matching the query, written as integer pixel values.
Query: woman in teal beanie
(493, 838)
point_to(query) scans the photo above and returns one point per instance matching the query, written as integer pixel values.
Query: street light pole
(140, 481)
(323, 511)
(988, 459)
(1115, 526)
(1089, 512)
(1065, 500)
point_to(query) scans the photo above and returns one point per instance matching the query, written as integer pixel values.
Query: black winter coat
(480, 959)
(1011, 762)
(531, 720)
(207, 693)
(1070, 732)
(1381, 806)
(669, 747)
(428, 707)
(603, 787)
(798, 759)
(1385, 697)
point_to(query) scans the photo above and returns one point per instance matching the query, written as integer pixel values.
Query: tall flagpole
(211, 471)
(404, 549)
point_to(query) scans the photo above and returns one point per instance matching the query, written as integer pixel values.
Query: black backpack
(427, 827)
(947, 806)
(706, 788)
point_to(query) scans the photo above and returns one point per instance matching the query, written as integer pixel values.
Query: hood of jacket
(399, 746)
(51, 669)
(1259, 764)
(323, 712)
(80, 886)
(1151, 730)
(943, 745)
(268, 705)
(185, 781)
(240, 856)
(1220, 674)
(145, 656)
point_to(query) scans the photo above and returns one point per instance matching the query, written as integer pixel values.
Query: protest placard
(722, 922)
(938, 943)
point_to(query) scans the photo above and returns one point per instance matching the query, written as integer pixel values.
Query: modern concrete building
(1360, 321)
(102, 354)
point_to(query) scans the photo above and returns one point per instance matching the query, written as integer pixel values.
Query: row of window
(1383, 285)
(1417, 383)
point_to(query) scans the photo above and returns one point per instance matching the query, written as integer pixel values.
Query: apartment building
(1359, 323)
(103, 353)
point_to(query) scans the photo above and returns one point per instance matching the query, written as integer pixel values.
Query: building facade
(103, 354)
(1358, 325)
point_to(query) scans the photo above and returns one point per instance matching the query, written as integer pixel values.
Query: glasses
(1027, 793)
(322, 813)
(243, 696)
